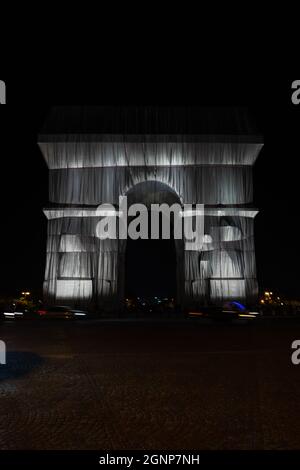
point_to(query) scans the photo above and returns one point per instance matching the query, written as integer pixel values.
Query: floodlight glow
(239, 306)
(74, 289)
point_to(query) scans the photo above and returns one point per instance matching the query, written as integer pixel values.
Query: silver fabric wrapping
(83, 270)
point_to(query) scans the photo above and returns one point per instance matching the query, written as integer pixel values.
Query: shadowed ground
(149, 385)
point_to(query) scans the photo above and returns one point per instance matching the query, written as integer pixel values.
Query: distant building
(195, 156)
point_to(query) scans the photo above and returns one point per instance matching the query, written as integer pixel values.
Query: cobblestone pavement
(149, 385)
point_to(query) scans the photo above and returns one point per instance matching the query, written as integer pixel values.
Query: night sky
(24, 183)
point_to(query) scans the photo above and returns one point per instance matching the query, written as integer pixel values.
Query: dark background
(24, 185)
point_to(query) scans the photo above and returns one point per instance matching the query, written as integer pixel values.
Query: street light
(26, 293)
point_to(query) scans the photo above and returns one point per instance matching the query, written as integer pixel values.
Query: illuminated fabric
(83, 270)
(74, 289)
(75, 153)
(209, 184)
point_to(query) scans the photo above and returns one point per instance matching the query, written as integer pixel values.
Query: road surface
(149, 385)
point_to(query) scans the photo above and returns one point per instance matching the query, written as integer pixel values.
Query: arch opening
(153, 268)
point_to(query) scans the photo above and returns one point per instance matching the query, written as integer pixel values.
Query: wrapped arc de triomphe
(89, 169)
